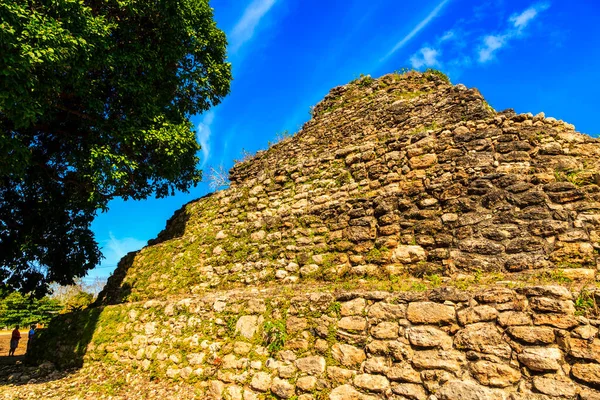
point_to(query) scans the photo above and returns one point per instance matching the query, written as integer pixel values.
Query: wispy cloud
(426, 57)
(114, 249)
(464, 45)
(491, 44)
(204, 132)
(417, 29)
(519, 21)
(243, 31)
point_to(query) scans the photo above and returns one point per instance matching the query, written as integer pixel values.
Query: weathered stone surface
(532, 334)
(545, 304)
(587, 332)
(424, 161)
(372, 383)
(541, 358)
(295, 324)
(471, 315)
(306, 383)
(430, 313)
(282, 388)
(584, 349)
(247, 326)
(557, 292)
(428, 336)
(484, 338)
(403, 372)
(347, 392)
(385, 330)
(409, 254)
(496, 295)
(387, 311)
(494, 374)
(461, 390)
(339, 375)
(555, 386)
(410, 391)
(354, 323)
(347, 355)
(261, 381)
(376, 365)
(353, 307)
(588, 373)
(313, 365)
(447, 360)
(556, 320)
(514, 318)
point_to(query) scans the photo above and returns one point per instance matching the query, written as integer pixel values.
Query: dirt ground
(5, 343)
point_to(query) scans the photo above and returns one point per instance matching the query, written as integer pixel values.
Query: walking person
(30, 337)
(14, 341)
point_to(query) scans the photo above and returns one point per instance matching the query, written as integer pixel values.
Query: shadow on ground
(57, 351)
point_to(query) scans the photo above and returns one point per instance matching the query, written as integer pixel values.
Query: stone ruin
(409, 242)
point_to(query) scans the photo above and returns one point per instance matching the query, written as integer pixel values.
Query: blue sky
(287, 54)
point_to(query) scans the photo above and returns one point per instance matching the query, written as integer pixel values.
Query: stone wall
(387, 250)
(446, 344)
(405, 175)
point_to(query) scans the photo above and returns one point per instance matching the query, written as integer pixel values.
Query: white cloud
(417, 28)
(447, 36)
(426, 56)
(491, 44)
(520, 21)
(463, 45)
(114, 249)
(204, 133)
(244, 29)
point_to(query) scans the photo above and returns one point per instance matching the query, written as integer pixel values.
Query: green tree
(95, 103)
(16, 309)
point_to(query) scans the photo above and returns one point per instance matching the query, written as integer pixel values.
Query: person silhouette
(30, 337)
(14, 341)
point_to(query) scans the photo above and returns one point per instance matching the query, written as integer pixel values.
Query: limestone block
(428, 336)
(372, 383)
(430, 313)
(247, 326)
(353, 307)
(464, 390)
(541, 358)
(484, 338)
(282, 388)
(589, 373)
(408, 254)
(313, 365)
(347, 355)
(494, 374)
(472, 315)
(261, 381)
(532, 334)
(558, 386)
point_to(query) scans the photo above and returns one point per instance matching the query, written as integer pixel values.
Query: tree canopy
(95, 103)
(16, 309)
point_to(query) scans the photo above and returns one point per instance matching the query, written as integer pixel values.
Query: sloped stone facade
(406, 174)
(394, 248)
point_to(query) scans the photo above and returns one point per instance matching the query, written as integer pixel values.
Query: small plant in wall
(218, 178)
(274, 335)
